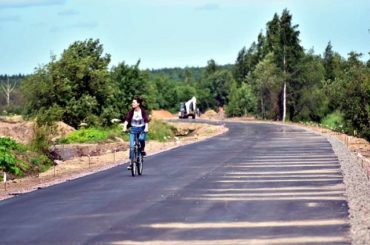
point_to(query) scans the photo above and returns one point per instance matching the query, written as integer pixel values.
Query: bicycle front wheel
(133, 163)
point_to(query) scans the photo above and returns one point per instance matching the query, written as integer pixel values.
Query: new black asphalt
(256, 184)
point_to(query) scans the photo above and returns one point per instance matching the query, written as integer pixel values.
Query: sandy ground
(81, 166)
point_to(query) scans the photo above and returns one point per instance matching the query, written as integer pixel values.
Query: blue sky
(170, 33)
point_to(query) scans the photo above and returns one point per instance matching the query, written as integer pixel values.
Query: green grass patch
(158, 130)
(334, 121)
(92, 135)
(161, 131)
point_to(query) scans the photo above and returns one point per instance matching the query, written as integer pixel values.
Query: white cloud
(28, 3)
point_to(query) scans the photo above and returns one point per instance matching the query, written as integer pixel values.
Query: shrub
(334, 121)
(16, 160)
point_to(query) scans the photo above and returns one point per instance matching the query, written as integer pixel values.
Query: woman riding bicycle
(137, 119)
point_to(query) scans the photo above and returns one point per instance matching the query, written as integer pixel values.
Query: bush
(334, 121)
(7, 158)
(16, 160)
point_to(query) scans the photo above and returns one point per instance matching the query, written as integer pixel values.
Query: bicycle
(137, 159)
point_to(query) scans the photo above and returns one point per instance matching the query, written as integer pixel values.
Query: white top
(137, 119)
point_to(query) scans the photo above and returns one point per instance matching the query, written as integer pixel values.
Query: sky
(170, 33)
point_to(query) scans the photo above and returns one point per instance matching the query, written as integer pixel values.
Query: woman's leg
(142, 140)
(132, 142)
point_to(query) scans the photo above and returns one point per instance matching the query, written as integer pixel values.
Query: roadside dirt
(162, 114)
(22, 131)
(82, 166)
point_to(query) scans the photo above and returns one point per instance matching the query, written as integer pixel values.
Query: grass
(161, 131)
(333, 121)
(92, 135)
(158, 130)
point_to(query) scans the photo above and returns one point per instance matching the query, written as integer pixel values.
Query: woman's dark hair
(139, 100)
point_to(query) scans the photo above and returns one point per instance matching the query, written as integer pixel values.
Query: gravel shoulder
(357, 191)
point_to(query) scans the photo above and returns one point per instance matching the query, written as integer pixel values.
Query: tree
(329, 62)
(212, 67)
(282, 38)
(310, 101)
(266, 80)
(240, 68)
(129, 82)
(245, 63)
(166, 93)
(241, 100)
(219, 85)
(76, 86)
(355, 96)
(7, 89)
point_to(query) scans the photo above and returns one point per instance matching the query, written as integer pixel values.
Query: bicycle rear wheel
(133, 163)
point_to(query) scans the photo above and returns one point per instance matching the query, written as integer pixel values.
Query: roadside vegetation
(159, 131)
(19, 160)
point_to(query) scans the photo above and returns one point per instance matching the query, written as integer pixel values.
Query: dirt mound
(20, 132)
(64, 129)
(23, 132)
(211, 114)
(162, 114)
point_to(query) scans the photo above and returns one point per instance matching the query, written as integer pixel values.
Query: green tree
(241, 100)
(355, 96)
(310, 101)
(76, 86)
(266, 80)
(289, 53)
(130, 81)
(166, 93)
(211, 67)
(329, 62)
(219, 86)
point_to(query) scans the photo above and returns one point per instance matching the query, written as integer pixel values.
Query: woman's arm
(125, 126)
(146, 129)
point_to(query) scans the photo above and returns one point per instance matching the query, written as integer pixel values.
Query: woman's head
(137, 102)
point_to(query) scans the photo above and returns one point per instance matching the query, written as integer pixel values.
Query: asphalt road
(256, 184)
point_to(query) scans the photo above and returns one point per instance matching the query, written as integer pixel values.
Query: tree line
(275, 78)
(286, 81)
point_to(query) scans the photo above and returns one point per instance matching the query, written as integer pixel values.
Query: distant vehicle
(188, 109)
